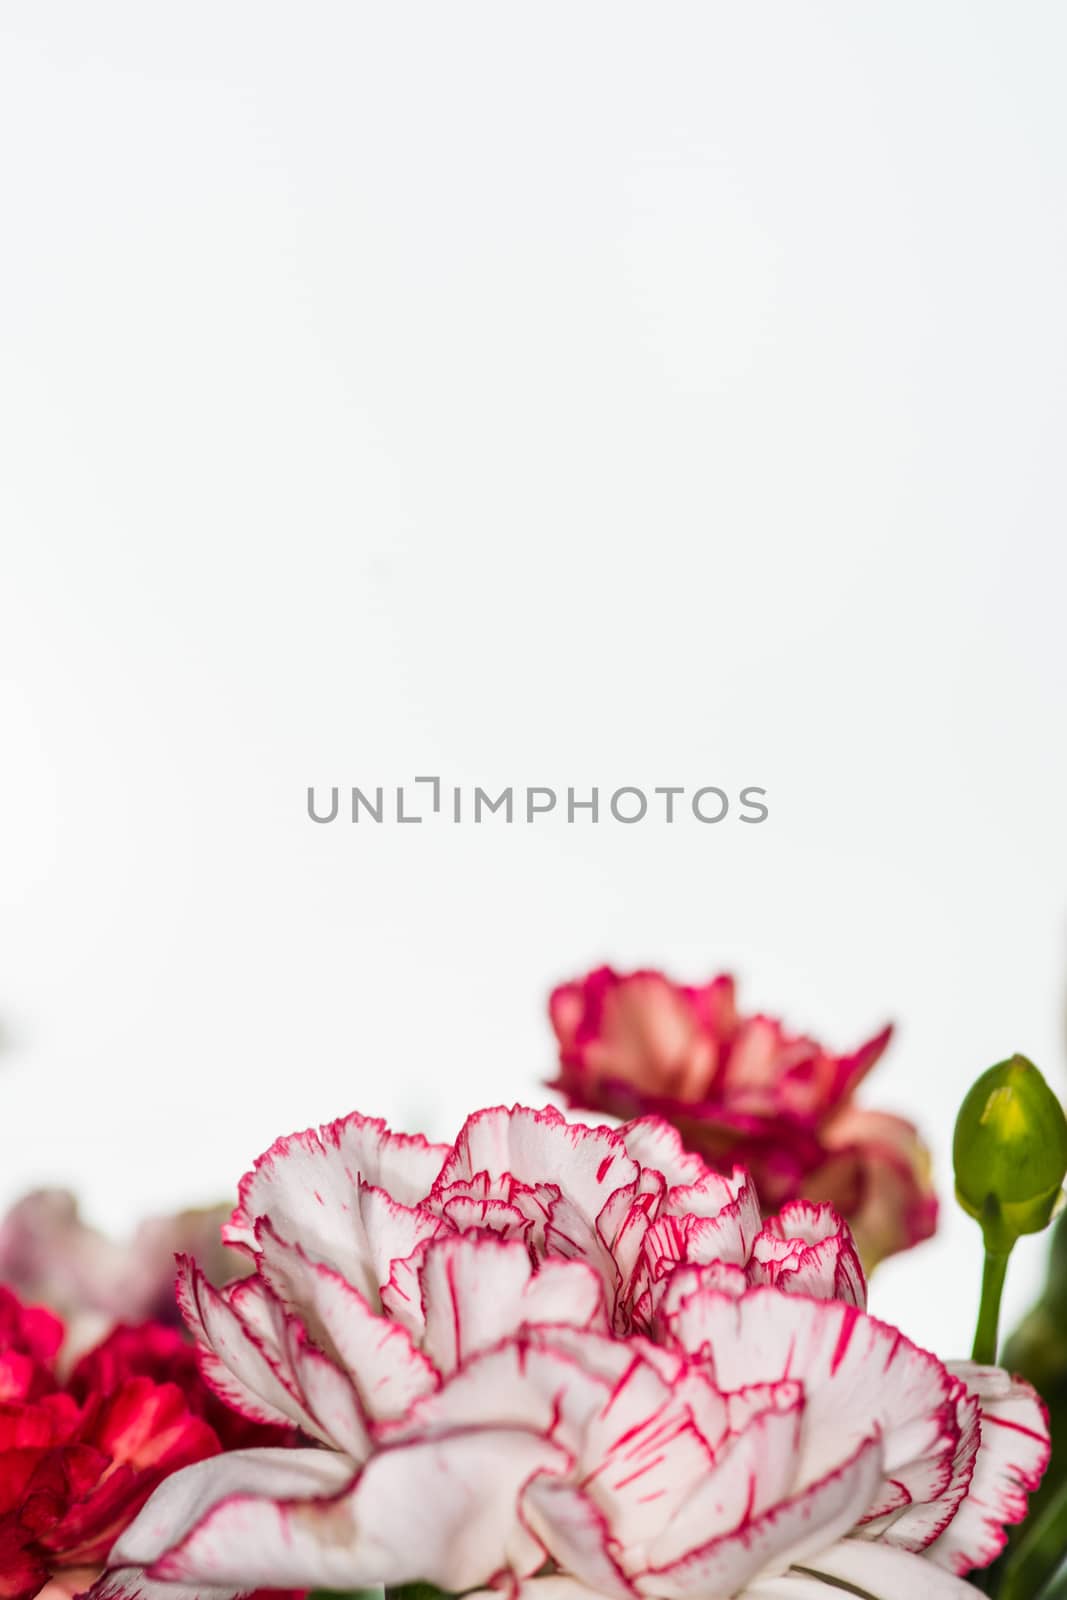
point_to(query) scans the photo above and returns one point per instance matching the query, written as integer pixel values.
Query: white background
(556, 394)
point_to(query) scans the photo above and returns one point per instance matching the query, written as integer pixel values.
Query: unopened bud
(1010, 1152)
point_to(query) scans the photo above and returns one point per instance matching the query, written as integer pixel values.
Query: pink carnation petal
(897, 1206)
(743, 1090)
(640, 1030)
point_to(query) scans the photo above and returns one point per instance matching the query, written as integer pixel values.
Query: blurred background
(559, 395)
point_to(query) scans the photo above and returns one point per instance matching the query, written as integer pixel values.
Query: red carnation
(80, 1456)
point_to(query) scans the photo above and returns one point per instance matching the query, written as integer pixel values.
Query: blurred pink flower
(50, 1256)
(741, 1090)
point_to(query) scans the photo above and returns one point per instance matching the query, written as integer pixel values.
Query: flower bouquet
(553, 1360)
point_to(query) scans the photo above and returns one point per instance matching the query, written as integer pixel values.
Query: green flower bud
(1010, 1153)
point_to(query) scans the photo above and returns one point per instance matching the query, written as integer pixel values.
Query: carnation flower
(79, 1457)
(741, 1089)
(76, 1463)
(569, 1362)
(152, 1350)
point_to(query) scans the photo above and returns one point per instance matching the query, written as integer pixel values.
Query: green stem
(985, 1334)
(346, 1594)
(1037, 1557)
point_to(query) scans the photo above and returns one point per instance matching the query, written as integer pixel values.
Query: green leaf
(1057, 1588)
(1037, 1351)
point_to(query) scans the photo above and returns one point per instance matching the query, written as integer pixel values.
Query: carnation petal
(132, 1583)
(365, 1536)
(315, 1186)
(885, 1572)
(379, 1355)
(653, 1142)
(576, 1533)
(643, 1452)
(898, 1205)
(233, 1356)
(1012, 1456)
(539, 1383)
(807, 1249)
(184, 1501)
(751, 1473)
(476, 1291)
(778, 1538)
(532, 1145)
(836, 1350)
(545, 1344)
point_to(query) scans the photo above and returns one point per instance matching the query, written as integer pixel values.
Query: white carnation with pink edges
(557, 1362)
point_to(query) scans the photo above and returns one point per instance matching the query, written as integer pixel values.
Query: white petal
(557, 1587)
(642, 1455)
(389, 1373)
(443, 1512)
(183, 1499)
(779, 1538)
(526, 1384)
(330, 1398)
(858, 1373)
(885, 1573)
(655, 1143)
(533, 1145)
(751, 1474)
(576, 1534)
(235, 1358)
(791, 1586)
(476, 1291)
(252, 1350)
(132, 1583)
(1012, 1456)
(348, 1191)
(807, 1249)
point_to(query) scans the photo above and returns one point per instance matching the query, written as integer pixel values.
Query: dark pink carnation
(741, 1090)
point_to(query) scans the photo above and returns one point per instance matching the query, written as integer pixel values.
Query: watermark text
(429, 799)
